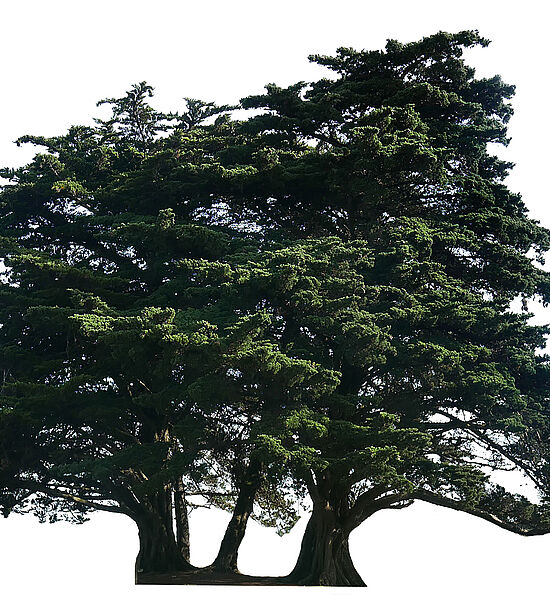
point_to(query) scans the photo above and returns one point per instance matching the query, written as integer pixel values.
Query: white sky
(60, 57)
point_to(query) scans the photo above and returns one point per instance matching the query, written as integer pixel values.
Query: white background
(60, 57)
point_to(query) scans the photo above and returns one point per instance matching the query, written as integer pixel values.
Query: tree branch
(432, 498)
(368, 503)
(48, 491)
(482, 438)
(312, 487)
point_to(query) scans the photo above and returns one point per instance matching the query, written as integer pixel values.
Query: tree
(401, 139)
(311, 301)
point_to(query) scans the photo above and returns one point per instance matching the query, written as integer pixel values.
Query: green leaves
(323, 287)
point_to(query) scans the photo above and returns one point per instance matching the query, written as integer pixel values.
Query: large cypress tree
(401, 162)
(314, 300)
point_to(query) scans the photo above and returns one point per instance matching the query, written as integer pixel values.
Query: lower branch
(35, 487)
(432, 498)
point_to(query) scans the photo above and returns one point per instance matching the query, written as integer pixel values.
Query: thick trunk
(234, 533)
(158, 549)
(324, 557)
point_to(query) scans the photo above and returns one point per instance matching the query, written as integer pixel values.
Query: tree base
(208, 576)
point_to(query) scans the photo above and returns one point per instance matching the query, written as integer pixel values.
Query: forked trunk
(324, 557)
(158, 551)
(158, 548)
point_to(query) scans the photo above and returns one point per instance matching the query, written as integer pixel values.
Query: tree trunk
(236, 528)
(158, 549)
(324, 557)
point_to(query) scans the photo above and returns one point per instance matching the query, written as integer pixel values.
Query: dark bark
(158, 549)
(324, 557)
(236, 528)
(182, 519)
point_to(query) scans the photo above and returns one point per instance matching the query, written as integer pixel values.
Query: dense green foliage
(314, 300)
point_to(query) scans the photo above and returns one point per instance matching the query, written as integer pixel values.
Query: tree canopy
(311, 304)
